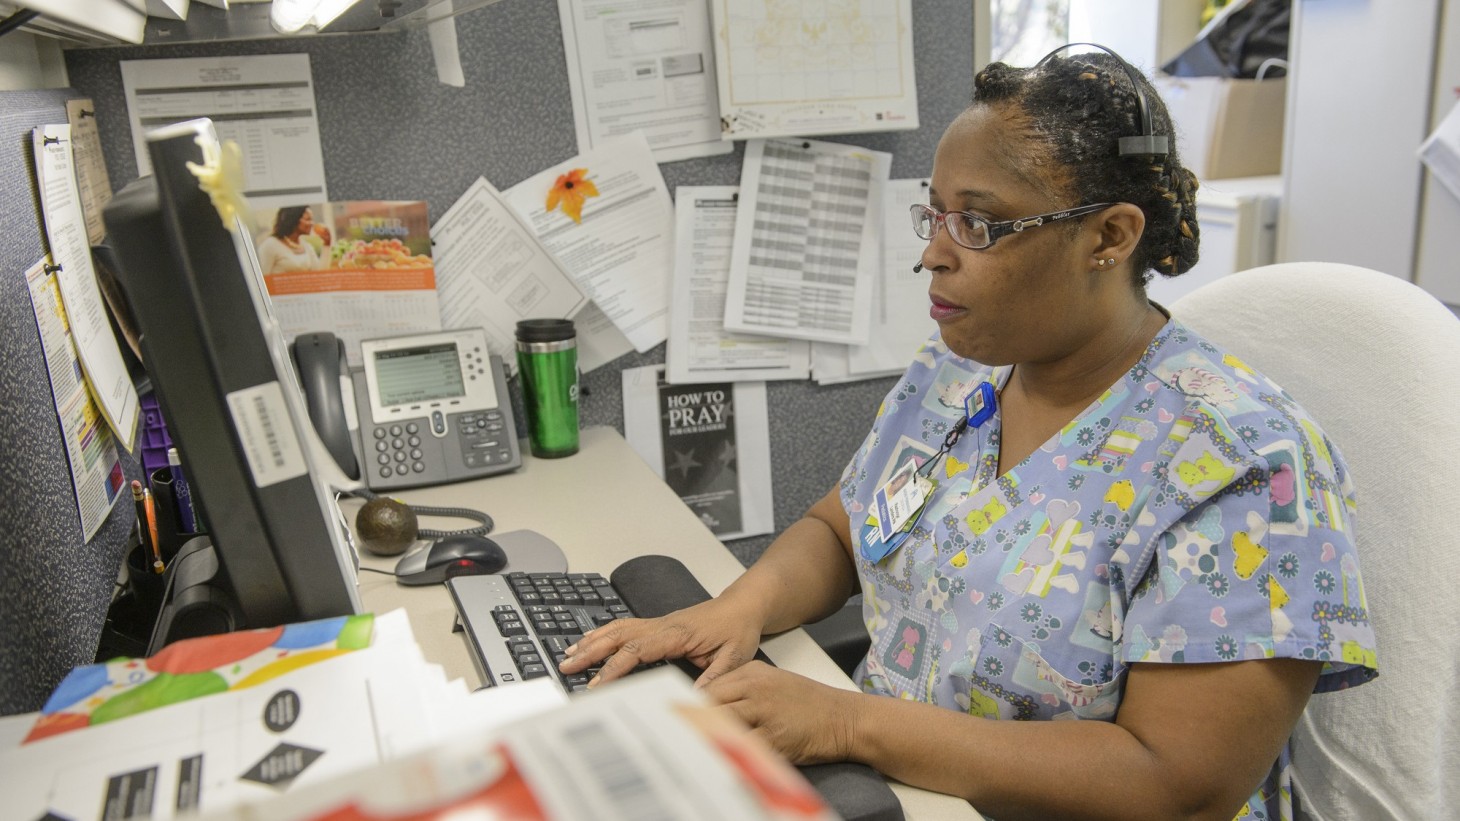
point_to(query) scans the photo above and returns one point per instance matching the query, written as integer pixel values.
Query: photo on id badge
(897, 500)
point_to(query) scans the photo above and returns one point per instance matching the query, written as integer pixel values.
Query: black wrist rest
(654, 586)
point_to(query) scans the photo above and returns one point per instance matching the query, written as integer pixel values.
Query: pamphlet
(709, 442)
(648, 746)
(359, 269)
(96, 344)
(91, 450)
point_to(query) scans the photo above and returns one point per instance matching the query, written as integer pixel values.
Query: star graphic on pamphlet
(727, 455)
(683, 461)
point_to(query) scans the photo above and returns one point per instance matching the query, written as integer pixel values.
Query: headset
(1149, 143)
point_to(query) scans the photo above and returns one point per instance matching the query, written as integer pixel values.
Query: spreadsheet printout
(806, 240)
(700, 349)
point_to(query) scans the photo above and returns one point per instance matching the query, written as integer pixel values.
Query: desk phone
(425, 409)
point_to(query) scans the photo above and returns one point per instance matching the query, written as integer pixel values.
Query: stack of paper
(643, 747)
(213, 723)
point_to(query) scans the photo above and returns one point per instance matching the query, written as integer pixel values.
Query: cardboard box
(1225, 127)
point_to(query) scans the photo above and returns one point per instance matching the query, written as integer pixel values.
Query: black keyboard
(519, 624)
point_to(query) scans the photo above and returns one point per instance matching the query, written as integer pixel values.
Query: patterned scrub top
(1193, 513)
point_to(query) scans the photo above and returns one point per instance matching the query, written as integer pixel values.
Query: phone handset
(320, 358)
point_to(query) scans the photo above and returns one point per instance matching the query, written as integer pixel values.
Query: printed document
(245, 717)
(829, 364)
(806, 67)
(647, 67)
(92, 182)
(900, 322)
(492, 271)
(806, 251)
(358, 269)
(649, 746)
(96, 345)
(709, 442)
(96, 471)
(264, 103)
(700, 349)
(606, 216)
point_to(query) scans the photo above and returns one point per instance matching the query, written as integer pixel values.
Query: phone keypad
(396, 451)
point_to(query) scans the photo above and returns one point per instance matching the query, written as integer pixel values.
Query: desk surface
(603, 506)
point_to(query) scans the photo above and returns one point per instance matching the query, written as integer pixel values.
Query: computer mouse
(451, 556)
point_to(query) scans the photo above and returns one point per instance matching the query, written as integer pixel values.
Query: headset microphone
(918, 268)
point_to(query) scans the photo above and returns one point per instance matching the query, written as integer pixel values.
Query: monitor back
(220, 369)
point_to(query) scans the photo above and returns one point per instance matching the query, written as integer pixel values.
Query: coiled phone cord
(454, 512)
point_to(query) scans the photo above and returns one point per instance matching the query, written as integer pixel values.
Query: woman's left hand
(805, 721)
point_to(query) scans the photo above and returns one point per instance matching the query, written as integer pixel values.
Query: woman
(1121, 522)
(285, 248)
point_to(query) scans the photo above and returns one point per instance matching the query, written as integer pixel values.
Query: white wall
(1437, 268)
(1359, 97)
(27, 62)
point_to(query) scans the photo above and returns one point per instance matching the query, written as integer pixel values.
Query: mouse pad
(530, 552)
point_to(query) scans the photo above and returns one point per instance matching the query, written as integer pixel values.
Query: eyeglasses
(977, 233)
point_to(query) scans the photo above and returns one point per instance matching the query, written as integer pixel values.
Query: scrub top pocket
(1010, 678)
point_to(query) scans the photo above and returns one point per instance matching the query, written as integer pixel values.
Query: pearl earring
(1104, 262)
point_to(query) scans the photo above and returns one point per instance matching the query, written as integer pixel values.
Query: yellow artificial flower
(220, 175)
(569, 192)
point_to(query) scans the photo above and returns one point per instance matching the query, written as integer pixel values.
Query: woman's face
(1026, 298)
(306, 223)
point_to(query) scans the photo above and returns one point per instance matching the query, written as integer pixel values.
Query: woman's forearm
(804, 576)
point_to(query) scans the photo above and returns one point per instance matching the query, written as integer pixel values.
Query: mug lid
(545, 330)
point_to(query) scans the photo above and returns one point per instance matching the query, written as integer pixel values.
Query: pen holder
(134, 612)
(165, 504)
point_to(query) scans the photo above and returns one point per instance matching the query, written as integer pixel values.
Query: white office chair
(1377, 361)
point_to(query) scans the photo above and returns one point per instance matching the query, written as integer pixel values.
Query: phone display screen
(419, 374)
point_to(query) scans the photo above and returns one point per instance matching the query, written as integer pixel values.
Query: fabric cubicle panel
(391, 131)
(54, 586)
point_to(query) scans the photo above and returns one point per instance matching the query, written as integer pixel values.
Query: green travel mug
(547, 360)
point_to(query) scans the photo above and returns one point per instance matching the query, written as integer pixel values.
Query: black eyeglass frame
(995, 230)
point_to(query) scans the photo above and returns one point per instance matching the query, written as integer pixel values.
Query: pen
(184, 494)
(139, 500)
(151, 509)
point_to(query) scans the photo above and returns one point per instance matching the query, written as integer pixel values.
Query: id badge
(896, 507)
(873, 548)
(898, 500)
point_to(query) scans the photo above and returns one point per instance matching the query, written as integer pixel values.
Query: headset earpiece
(1147, 143)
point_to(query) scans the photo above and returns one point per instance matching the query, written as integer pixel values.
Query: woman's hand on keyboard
(806, 721)
(717, 636)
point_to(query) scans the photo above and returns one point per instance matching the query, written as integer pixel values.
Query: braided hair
(1073, 110)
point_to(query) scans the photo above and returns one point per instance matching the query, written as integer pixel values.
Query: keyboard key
(551, 612)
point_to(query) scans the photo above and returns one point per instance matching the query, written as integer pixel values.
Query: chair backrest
(1376, 360)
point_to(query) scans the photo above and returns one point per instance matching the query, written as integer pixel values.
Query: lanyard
(978, 407)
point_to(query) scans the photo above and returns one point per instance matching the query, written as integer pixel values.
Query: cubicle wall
(391, 131)
(54, 585)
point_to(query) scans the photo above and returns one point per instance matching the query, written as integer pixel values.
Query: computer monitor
(229, 395)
